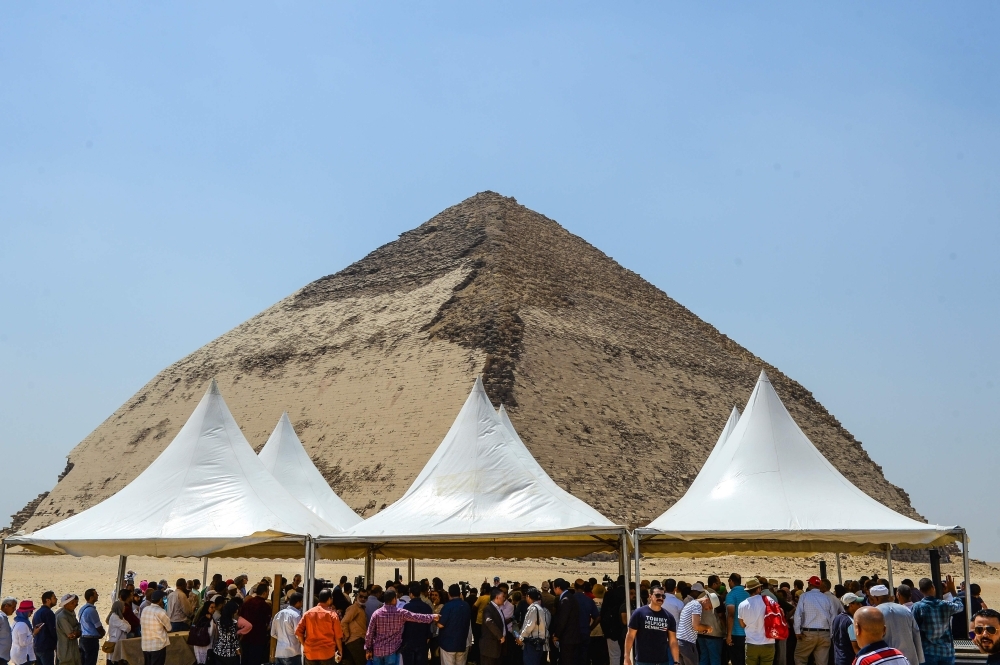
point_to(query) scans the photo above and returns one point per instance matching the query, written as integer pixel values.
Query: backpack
(775, 625)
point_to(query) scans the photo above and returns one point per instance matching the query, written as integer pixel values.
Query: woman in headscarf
(118, 627)
(125, 597)
(22, 648)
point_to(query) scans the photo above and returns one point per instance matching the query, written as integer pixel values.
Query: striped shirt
(155, 626)
(880, 653)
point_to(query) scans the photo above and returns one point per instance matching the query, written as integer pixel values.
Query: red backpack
(775, 625)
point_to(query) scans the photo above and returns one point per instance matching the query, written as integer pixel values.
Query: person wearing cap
(44, 623)
(842, 638)
(652, 632)
(7, 606)
(901, 630)
(735, 635)
(814, 616)
(698, 621)
(22, 648)
(759, 647)
(155, 630)
(68, 631)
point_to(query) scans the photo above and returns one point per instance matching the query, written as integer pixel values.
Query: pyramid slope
(480, 483)
(285, 458)
(205, 493)
(767, 481)
(597, 366)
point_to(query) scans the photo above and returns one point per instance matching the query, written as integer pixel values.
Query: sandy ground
(28, 575)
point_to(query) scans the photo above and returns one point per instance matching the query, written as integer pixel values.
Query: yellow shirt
(481, 604)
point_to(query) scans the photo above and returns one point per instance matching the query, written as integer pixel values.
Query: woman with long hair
(227, 644)
(200, 635)
(118, 626)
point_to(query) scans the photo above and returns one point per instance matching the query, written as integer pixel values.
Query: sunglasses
(658, 595)
(989, 630)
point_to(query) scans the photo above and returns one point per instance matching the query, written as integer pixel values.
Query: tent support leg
(840, 577)
(204, 572)
(966, 566)
(411, 570)
(638, 572)
(888, 561)
(3, 555)
(623, 564)
(120, 581)
(370, 567)
(307, 582)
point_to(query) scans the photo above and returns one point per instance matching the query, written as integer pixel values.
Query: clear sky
(819, 181)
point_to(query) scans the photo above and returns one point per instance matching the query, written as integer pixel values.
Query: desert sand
(28, 575)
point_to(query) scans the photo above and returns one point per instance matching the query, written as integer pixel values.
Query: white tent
(766, 489)
(207, 493)
(481, 494)
(285, 458)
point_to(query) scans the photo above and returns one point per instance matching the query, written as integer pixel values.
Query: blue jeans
(391, 659)
(709, 650)
(938, 660)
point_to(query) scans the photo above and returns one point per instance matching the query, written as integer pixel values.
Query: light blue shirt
(736, 596)
(90, 622)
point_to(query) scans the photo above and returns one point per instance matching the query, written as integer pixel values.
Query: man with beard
(986, 626)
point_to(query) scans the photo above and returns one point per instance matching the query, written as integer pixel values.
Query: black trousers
(254, 654)
(568, 653)
(413, 655)
(738, 652)
(155, 657)
(90, 647)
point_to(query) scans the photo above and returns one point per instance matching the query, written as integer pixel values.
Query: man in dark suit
(566, 624)
(494, 630)
(416, 636)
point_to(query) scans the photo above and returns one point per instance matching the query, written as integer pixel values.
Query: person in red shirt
(320, 632)
(255, 646)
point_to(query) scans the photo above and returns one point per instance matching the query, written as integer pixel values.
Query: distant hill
(618, 390)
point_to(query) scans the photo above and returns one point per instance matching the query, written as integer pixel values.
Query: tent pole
(638, 573)
(204, 573)
(307, 585)
(120, 582)
(3, 555)
(411, 570)
(840, 577)
(623, 560)
(966, 566)
(888, 560)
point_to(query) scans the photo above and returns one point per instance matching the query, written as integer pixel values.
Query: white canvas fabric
(766, 489)
(482, 494)
(285, 458)
(206, 493)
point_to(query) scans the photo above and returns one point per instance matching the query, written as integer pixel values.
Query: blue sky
(821, 183)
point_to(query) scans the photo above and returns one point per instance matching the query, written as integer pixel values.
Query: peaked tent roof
(206, 493)
(285, 458)
(481, 494)
(766, 489)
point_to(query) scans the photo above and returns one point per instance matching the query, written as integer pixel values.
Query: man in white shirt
(814, 616)
(672, 603)
(288, 651)
(760, 648)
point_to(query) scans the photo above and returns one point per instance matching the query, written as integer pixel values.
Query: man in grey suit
(495, 631)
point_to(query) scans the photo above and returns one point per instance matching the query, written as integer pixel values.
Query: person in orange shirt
(320, 632)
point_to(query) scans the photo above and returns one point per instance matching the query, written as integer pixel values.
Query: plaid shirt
(385, 629)
(933, 616)
(155, 625)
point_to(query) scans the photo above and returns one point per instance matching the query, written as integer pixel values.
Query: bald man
(869, 628)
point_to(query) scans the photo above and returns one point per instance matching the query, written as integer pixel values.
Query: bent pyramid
(285, 458)
(605, 376)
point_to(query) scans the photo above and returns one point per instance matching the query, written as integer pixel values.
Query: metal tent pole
(307, 583)
(888, 559)
(840, 577)
(623, 558)
(370, 566)
(120, 582)
(966, 567)
(3, 555)
(411, 570)
(204, 573)
(638, 572)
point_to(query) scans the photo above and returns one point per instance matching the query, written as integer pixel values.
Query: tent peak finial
(213, 388)
(763, 377)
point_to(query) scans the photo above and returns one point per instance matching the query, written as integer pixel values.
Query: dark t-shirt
(652, 638)
(843, 651)
(456, 616)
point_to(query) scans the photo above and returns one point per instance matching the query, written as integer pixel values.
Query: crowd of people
(584, 622)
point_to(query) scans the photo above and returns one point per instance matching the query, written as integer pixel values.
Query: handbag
(108, 647)
(199, 636)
